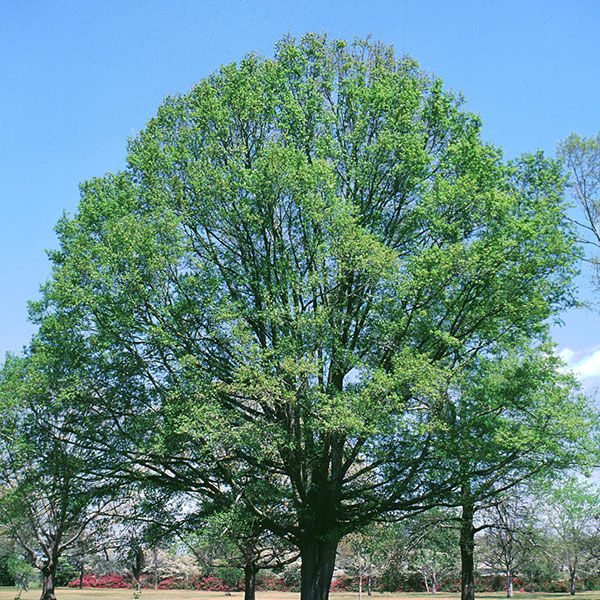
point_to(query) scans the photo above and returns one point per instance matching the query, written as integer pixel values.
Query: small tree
(572, 516)
(50, 497)
(234, 539)
(21, 570)
(509, 539)
(511, 417)
(434, 548)
(363, 554)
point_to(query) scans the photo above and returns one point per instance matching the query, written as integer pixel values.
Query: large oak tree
(275, 295)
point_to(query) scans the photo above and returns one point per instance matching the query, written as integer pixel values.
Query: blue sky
(80, 77)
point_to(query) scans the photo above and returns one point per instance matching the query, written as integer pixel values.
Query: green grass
(104, 594)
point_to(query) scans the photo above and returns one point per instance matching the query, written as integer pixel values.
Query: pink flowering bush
(102, 581)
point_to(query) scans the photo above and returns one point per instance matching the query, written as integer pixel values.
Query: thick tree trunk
(509, 584)
(48, 582)
(369, 592)
(250, 571)
(318, 560)
(425, 580)
(467, 549)
(81, 565)
(433, 582)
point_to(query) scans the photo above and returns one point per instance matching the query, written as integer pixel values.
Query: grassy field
(98, 594)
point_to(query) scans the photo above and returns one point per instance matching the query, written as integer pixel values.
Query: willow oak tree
(49, 498)
(300, 254)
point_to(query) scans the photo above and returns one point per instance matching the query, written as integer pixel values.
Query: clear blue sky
(80, 77)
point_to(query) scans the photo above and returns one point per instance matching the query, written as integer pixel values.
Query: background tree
(49, 498)
(513, 416)
(235, 539)
(434, 549)
(21, 570)
(581, 156)
(301, 257)
(364, 553)
(509, 539)
(571, 511)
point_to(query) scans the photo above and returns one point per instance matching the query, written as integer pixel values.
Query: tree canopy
(301, 258)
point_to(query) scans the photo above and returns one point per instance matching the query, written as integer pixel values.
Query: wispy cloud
(583, 364)
(566, 354)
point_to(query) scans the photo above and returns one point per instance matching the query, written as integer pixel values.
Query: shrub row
(491, 583)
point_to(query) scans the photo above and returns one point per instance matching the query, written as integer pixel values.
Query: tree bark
(137, 567)
(48, 581)
(318, 560)
(155, 560)
(531, 589)
(467, 549)
(509, 584)
(572, 578)
(433, 581)
(250, 571)
(369, 592)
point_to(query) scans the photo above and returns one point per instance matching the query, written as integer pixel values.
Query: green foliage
(65, 572)
(303, 260)
(6, 576)
(230, 576)
(571, 510)
(19, 569)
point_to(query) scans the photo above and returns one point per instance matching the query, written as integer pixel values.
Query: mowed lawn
(104, 594)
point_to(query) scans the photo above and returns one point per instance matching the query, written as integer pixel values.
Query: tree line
(314, 300)
(541, 538)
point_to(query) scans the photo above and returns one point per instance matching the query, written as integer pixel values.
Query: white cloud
(589, 366)
(566, 354)
(583, 364)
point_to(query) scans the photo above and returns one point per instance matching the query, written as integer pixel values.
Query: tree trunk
(360, 586)
(250, 571)
(137, 567)
(155, 560)
(572, 586)
(433, 581)
(531, 582)
(467, 549)
(425, 580)
(369, 585)
(318, 559)
(81, 565)
(509, 584)
(48, 582)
